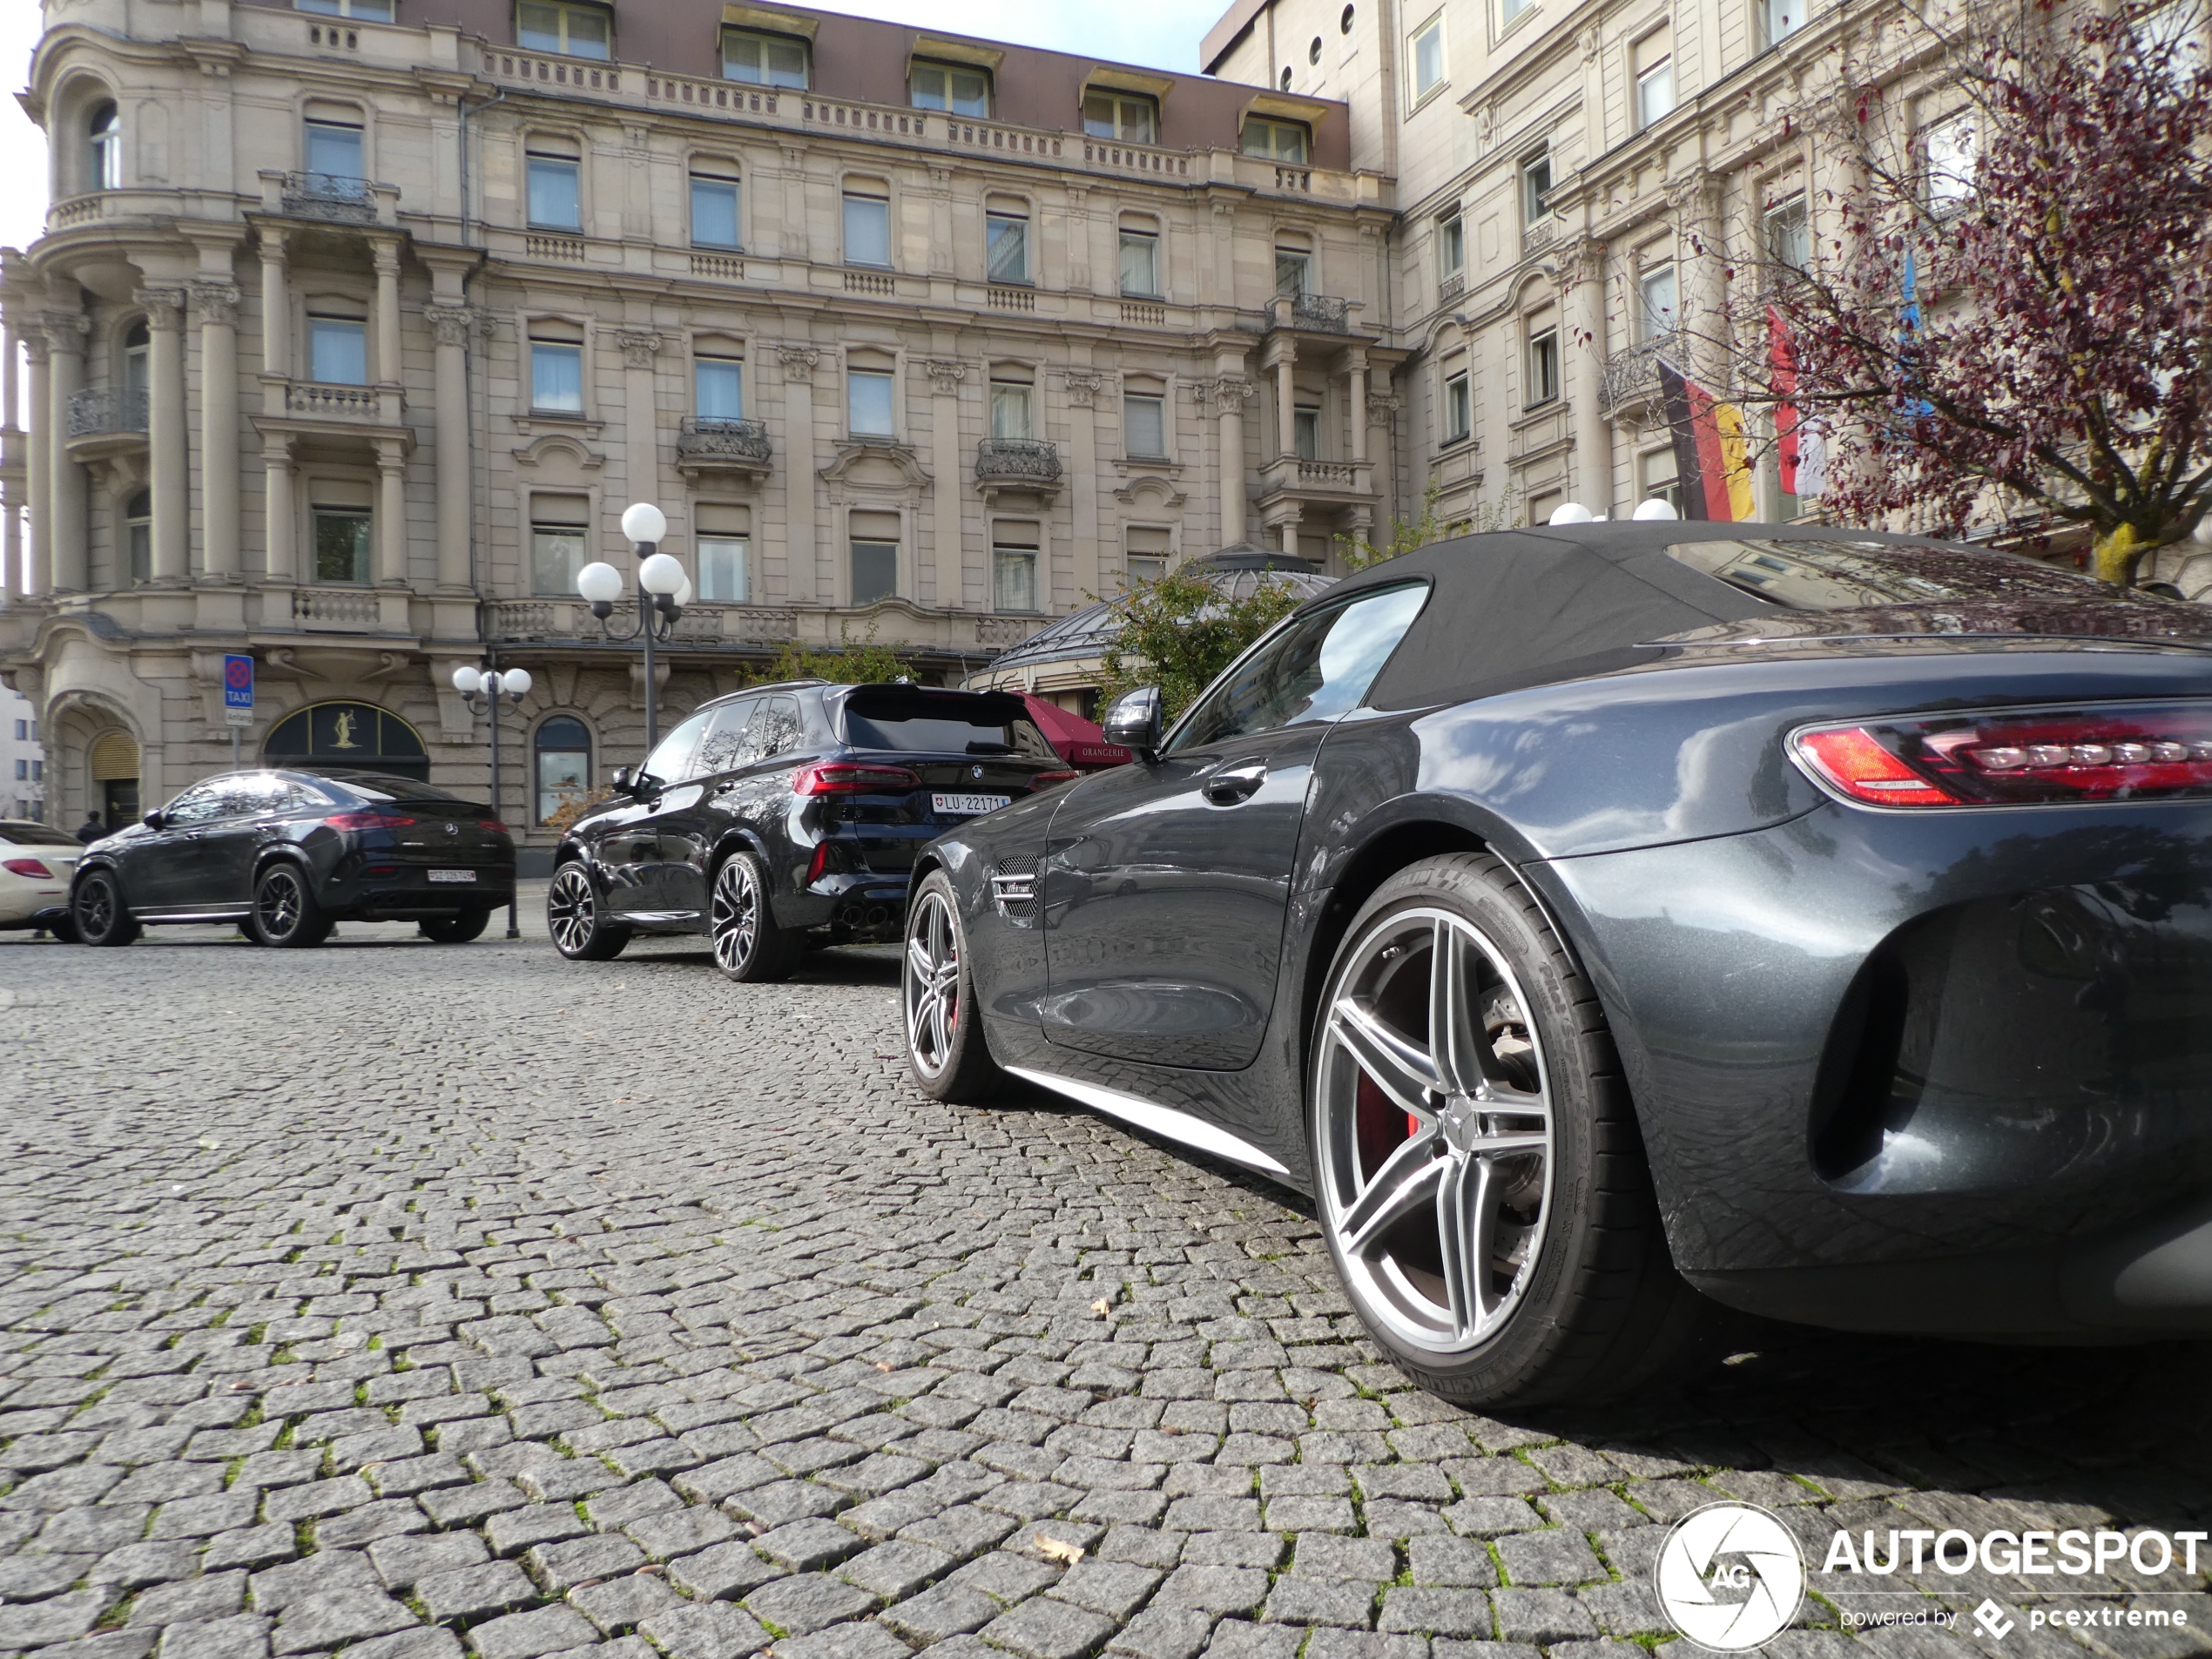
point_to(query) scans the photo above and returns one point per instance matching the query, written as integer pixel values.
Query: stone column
(1696, 201)
(69, 559)
(276, 316)
(1231, 392)
(280, 521)
(946, 588)
(168, 462)
(801, 572)
(37, 568)
(450, 325)
(391, 513)
(11, 501)
(387, 253)
(217, 427)
(1585, 343)
(1358, 363)
(641, 422)
(1285, 355)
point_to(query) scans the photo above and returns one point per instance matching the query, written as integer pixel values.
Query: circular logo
(1731, 1576)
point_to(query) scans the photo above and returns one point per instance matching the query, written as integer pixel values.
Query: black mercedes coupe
(1598, 921)
(286, 854)
(786, 817)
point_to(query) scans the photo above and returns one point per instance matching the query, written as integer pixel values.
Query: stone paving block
(191, 1601)
(472, 1591)
(895, 1570)
(805, 1545)
(847, 1642)
(1548, 1558)
(329, 1618)
(28, 1578)
(36, 1624)
(1492, 1517)
(204, 1517)
(245, 1637)
(1216, 1589)
(1046, 1628)
(727, 1571)
(251, 1546)
(1436, 1612)
(708, 1630)
(962, 1530)
(1237, 1639)
(1116, 1588)
(947, 1610)
(1364, 1644)
(365, 1525)
(96, 1528)
(401, 1561)
(806, 1602)
(1453, 1561)
(1321, 1601)
(1164, 1633)
(461, 1506)
(530, 1635)
(561, 1566)
(135, 1566)
(512, 1531)
(1541, 1616)
(617, 1604)
(409, 1644)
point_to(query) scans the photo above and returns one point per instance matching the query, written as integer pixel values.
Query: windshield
(1858, 575)
(947, 723)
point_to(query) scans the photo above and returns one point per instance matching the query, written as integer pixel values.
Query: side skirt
(1160, 1120)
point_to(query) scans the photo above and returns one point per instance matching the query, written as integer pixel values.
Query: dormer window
(104, 134)
(557, 26)
(1281, 141)
(1129, 116)
(764, 60)
(950, 87)
(361, 11)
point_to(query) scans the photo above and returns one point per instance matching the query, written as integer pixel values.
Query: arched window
(137, 535)
(103, 132)
(563, 746)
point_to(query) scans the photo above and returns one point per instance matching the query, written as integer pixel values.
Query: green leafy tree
(861, 662)
(1181, 630)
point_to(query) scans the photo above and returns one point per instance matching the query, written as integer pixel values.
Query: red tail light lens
(2017, 758)
(819, 864)
(30, 867)
(367, 821)
(491, 826)
(852, 777)
(1046, 779)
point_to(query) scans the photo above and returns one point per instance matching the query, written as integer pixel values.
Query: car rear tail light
(492, 825)
(817, 866)
(2018, 757)
(367, 821)
(850, 777)
(30, 867)
(1046, 779)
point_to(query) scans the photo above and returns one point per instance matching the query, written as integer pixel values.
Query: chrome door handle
(1239, 784)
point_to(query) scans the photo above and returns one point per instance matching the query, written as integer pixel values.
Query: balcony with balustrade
(732, 450)
(329, 198)
(106, 422)
(1027, 466)
(1631, 375)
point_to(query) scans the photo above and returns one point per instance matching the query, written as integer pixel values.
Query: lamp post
(485, 687)
(662, 592)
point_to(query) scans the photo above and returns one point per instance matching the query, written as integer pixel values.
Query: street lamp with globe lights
(482, 688)
(662, 592)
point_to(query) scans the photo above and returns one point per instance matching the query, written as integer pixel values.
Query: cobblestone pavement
(415, 1300)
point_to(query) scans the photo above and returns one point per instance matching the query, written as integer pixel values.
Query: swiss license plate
(453, 876)
(968, 805)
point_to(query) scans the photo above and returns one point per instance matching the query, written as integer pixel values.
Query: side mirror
(625, 781)
(154, 818)
(1133, 721)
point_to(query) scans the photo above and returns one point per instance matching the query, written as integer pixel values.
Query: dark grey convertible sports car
(1600, 919)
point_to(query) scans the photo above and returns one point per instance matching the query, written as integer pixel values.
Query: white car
(37, 861)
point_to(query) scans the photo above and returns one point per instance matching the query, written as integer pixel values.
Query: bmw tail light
(852, 777)
(1046, 779)
(2018, 756)
(819, 865)
(30, 867)
(367, 821)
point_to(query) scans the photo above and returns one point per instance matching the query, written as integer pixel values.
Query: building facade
(356, 326)
(23, 759)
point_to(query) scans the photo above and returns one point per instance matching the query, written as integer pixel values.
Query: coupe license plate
(453, 876)
(968, 805)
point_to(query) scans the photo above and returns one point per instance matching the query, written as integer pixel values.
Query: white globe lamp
(642, 521)
(599, 582)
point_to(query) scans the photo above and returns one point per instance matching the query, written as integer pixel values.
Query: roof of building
(1093, 629)
(866, 60)
(1227, 30)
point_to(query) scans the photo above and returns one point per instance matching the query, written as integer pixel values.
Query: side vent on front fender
(1013, 890)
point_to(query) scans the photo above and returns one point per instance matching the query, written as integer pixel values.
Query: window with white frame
(557, 538)
(1145, 553)
(1543, 368)
(1657, 480)
(722, 542)
(333, 148)
(337, 346)
(1953, 148)
(1779, 19)
(1789, 237)
(137, 540)
(1293, 270)
(1014, 567)
(1145, 421)
(954, 88)
(563, 748)
(764, 60)
(1451, 246)
(553, 182)
(1305, 431)
(871, 405)
(104, 142)
(557, 367)
(560, 26)
(1428, 56)
(1459, 401)
(1655, 91)
(361, 11)
(1013, 395)
(718, 386)
(1535, 186)
(874, 551)
(1129, 117)
(1006, 240)
(1140, 259)
(1287, 142)
(1658, 302)
(338, 526)
(714, 211)
(868, 227)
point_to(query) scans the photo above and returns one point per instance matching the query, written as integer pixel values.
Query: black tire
(748, 945)
(577, 920)
(948, 1054)
(63, 929)
(1562, 1288)
(285, 912)
(455, 930)
(98, 911)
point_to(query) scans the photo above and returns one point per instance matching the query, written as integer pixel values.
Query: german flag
(1712, 457)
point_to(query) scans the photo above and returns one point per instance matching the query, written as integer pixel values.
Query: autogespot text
(2074, 1553)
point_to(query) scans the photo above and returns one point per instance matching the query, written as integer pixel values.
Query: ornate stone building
(357, 323)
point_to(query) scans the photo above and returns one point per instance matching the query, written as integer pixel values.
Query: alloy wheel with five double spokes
(1434, 1130)
(573, 916)
(734, 917)
(931, 985)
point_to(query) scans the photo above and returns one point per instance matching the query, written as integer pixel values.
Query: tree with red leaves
(2016, 308)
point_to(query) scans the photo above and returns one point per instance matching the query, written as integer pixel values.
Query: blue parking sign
(238, 691)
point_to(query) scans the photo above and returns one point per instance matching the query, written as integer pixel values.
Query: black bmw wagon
(788, 816)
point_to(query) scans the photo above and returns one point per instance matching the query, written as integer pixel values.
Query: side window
(253, 792)
(774, 730)
(724, 746)
(198, 804)
(1314, 667)
(671, 762)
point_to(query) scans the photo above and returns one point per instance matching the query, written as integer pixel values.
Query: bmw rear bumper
(1945, 1071)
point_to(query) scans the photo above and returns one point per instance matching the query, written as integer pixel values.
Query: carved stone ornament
(799, 361)
(218, 303)
(1689, 192)
(1383, 407)
(64, 330)
(1590, 39)
(944, 374)
(1231, 392)
(1083, 385)
(448, 324)
(165, 308)
(638, 350)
